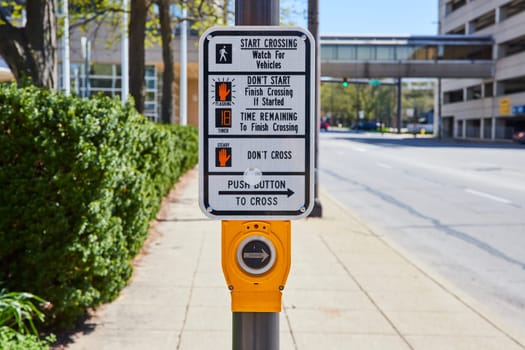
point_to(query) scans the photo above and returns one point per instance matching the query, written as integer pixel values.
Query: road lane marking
(487, 195)
(383, 165)
(359, 149)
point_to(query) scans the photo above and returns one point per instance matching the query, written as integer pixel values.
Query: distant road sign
(257, 122)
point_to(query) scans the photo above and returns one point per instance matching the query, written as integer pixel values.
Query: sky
(373, 16)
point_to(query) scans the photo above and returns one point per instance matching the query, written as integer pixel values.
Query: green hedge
(80, 181)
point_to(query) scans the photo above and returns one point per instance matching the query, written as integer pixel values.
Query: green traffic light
(345, 84)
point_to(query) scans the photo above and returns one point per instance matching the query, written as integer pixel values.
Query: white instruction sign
(256, 122)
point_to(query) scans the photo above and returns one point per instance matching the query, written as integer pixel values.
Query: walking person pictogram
(223, 54)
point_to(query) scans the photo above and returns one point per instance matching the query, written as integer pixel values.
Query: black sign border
(206, 120)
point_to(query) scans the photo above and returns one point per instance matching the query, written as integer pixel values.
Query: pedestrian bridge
(409, 56)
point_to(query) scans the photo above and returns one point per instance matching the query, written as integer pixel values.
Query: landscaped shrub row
(79, 182)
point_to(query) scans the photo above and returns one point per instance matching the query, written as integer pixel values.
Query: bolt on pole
(256, 330)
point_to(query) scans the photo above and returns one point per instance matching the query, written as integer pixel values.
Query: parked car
(367, 126)
(519, 137)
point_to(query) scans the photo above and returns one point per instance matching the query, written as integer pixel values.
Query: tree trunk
(167, 57)
(137, 54)
(31, 51)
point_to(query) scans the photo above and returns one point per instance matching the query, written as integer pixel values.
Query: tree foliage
(341, 105)
(29, 31)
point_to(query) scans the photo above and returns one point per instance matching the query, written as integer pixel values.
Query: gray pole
(183, 93)
(256, 330)
(257, 13)
(124, 68)
(66, 80)
(399, 99)
(313, 27)
(438, 112)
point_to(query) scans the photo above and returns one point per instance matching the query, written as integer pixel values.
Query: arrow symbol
(262, 255)
(287, 193)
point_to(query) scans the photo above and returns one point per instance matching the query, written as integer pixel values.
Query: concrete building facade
(491, 109)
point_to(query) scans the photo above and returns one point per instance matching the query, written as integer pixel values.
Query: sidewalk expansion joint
(290, 327)
(361, 288)
(192, 288)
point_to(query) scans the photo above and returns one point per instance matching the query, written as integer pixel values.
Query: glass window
(403, 52)
(150, 84)
(453, 96)
(483, 21)
(329, 52)
(512, 86)
(150, 71)
(512, 8)
(467, 52)
(489, 89)
(424, 53)
(385, 52)
(346, 53)
(512, 47)
(474, 92)
(453, 5)
(365, 52)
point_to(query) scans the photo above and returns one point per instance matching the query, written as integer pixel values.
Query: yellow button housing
(256, 259)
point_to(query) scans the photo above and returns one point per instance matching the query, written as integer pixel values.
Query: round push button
(256, 255)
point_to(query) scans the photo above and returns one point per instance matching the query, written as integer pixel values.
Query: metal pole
(313, 27)
(66, 79)
(256, 330)
(183, 93)
(124, 69)
(262, 12)
(399, 99)
(86, 70)
(439, 117)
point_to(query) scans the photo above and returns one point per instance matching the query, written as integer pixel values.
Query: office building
(490, 109)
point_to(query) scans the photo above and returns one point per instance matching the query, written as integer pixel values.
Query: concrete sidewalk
(348, 289)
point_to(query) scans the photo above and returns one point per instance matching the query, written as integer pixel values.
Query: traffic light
(344, 82)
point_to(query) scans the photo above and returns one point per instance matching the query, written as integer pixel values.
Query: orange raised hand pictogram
(223, 157)
(223, 91)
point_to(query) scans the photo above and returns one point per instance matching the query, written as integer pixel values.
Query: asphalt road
(457, 207)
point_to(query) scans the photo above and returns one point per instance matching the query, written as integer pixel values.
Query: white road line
(487, 195)
(383, 165)
(359, 149)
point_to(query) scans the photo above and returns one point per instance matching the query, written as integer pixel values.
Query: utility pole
(399, 101)
(124, 69)
(313, 27)
(256, 239)
(256, 330)
(183, 96)
(66, 80)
